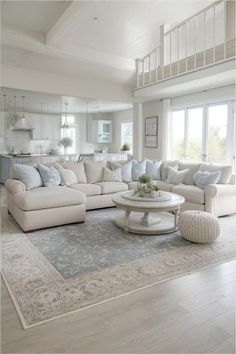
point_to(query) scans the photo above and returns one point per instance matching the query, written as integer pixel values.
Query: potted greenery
(146, 188)
(65, 142)
(125, 147)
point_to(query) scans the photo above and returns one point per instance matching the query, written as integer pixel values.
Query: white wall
(220, 93)
(151, 109)
(32, 80)
(118, 118)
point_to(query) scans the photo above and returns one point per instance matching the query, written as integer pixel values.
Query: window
(69, 132)
(127, 134)
(203, 133)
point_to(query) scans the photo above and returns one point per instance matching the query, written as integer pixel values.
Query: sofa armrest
(220, 199)
(213, 190)
(14, 186)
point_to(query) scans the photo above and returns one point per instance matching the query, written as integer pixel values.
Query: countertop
(11, 157)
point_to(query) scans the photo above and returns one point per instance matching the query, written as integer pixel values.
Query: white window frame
(231, 128)
(125, 122)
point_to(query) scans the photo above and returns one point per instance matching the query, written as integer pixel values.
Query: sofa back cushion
(164, 168)
(192, 167)
(50, 175)
(226, 171)
(94, 171)
(28, 175)
(78, 169)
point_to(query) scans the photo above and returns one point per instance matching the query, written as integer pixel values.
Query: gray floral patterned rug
(56, 271)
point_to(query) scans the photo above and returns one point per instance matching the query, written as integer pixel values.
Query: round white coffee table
(156, 218)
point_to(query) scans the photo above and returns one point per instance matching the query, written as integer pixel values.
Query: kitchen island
(7, 161)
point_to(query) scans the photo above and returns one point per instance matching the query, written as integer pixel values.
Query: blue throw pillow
(203, 178)
(28, 175)
(50, 175)
(153, 169)
(138, 169)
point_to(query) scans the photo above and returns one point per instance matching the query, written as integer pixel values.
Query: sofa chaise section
(44, 207)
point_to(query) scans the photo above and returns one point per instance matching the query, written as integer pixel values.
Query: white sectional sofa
(49, 206)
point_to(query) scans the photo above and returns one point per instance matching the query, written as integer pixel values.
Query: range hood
(22, 124)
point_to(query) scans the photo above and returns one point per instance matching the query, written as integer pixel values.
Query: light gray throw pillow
(126, 170)
(28, 175)
(138, 169)
(50, 175)
(112, 176)
(204, 178)
(176, 177)
(153, 169)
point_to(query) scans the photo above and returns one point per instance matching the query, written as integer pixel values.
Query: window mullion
(186, 134)
(204, 132)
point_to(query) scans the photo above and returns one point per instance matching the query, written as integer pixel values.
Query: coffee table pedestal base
(163, 223)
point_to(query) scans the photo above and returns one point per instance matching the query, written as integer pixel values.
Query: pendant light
(22, 123)
(65, 125)
(14, 107)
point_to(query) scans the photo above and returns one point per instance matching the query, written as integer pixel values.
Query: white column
(165, 129)
(137, 131)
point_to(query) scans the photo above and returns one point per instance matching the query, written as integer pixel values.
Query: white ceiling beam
(35, 42)
(65, 23)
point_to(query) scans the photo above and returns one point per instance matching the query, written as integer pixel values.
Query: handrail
(193, 16)
(169, 60)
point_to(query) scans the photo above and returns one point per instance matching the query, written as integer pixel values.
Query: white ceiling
(64, 37)
(53, 104)
(128, 28)
(38, 16)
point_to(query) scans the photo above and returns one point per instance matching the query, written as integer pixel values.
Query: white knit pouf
(198, 226)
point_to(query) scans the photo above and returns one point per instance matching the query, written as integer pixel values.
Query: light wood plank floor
(191, 314)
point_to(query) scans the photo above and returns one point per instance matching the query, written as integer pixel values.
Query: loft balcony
(191, 50)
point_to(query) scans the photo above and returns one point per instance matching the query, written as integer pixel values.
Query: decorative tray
(132, 196)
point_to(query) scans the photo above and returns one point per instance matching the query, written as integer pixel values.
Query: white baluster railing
(179, 51)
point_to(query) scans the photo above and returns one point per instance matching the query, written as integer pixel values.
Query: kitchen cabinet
(45, 127)
(100, 131)
(2, 124)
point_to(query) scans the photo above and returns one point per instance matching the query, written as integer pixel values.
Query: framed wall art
(151, 132)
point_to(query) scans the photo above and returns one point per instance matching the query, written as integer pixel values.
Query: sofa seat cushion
(163, 186)
(48, 197)
(112, 187)
(132, 185)
(191, 194)
(87, 188)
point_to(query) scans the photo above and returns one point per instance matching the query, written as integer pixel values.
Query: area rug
(53, 272)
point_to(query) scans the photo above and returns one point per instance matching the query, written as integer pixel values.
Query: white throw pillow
(176, 177)
(164, 168)
(68, 177)
(78, 169)
(112, 176)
